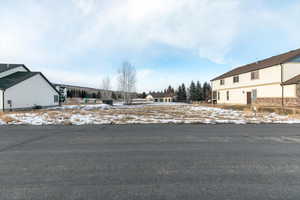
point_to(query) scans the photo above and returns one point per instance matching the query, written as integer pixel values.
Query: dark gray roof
(161, 94)
(269, 62)
(4, 67)
(15, 78)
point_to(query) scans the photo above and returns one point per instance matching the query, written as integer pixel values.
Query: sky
(169, 42)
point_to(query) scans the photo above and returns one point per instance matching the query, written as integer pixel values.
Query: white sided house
(160, 97)
(22, 89)
(273, 81)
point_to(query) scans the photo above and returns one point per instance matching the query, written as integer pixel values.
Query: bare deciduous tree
(127, 81)
(106, 87)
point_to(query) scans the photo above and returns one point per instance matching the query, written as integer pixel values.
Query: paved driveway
(150, 162)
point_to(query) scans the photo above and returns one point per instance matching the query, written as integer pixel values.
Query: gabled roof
(161, 95)
(292, 81)
(269, 62)
(5, 66)
(15, 78)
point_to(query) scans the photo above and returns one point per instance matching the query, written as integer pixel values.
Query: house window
(56, 98)
(254, 94)
(227, 95)
(218, 95)
(222, 82)
(214, 95)
(254, 75)
(236, 79)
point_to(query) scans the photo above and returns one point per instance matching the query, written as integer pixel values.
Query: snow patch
(142, 114)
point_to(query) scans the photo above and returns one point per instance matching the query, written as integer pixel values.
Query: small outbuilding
(160, 97)
(22, 89)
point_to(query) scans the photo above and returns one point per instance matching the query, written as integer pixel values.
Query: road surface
(150, 162)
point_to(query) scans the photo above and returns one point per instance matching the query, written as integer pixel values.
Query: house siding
(269, 75)
(1, 100)
(33, 91)
(268, 86)
(290, 70)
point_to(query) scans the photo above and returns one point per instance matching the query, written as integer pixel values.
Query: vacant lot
(140, 114)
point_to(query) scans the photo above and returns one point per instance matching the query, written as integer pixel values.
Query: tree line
(195, 92)
(198, 92)
(78, 93)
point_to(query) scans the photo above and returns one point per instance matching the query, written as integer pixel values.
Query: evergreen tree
(184, 96)
(83, 94)
(199, 93)
(69, 94)
(99, 95)
(179, 93)
(193, 92)
(206, 91)
(113, 95)
(209, 91)
(170, 90)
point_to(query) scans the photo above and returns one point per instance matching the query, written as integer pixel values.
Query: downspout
(212, 93)
(3, 101)
(282, 87)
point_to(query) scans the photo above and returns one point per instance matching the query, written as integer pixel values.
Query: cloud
(73, 35)
(86, 6)
(191, 24)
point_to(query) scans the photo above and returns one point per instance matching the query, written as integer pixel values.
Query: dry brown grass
(66, 116)
(278, 110)
(67, 123)
(236, 107)
(128, 118)
(52, 114)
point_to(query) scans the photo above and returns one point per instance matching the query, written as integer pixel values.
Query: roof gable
(15, 78)
(18, 77)
(161, 95)
(269, 62)
(294, 80)
(5, 67)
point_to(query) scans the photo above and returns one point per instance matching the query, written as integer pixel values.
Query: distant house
(272, 81)
(160, 97)
(20, 88)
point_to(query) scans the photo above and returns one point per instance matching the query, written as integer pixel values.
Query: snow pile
(30, 118)
(240, 117)
(2, 122)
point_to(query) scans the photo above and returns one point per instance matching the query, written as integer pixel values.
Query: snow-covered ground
(139, 114)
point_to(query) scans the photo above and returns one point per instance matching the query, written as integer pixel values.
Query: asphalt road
(150, 162)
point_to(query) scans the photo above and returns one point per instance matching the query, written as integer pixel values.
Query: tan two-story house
(273, 81)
